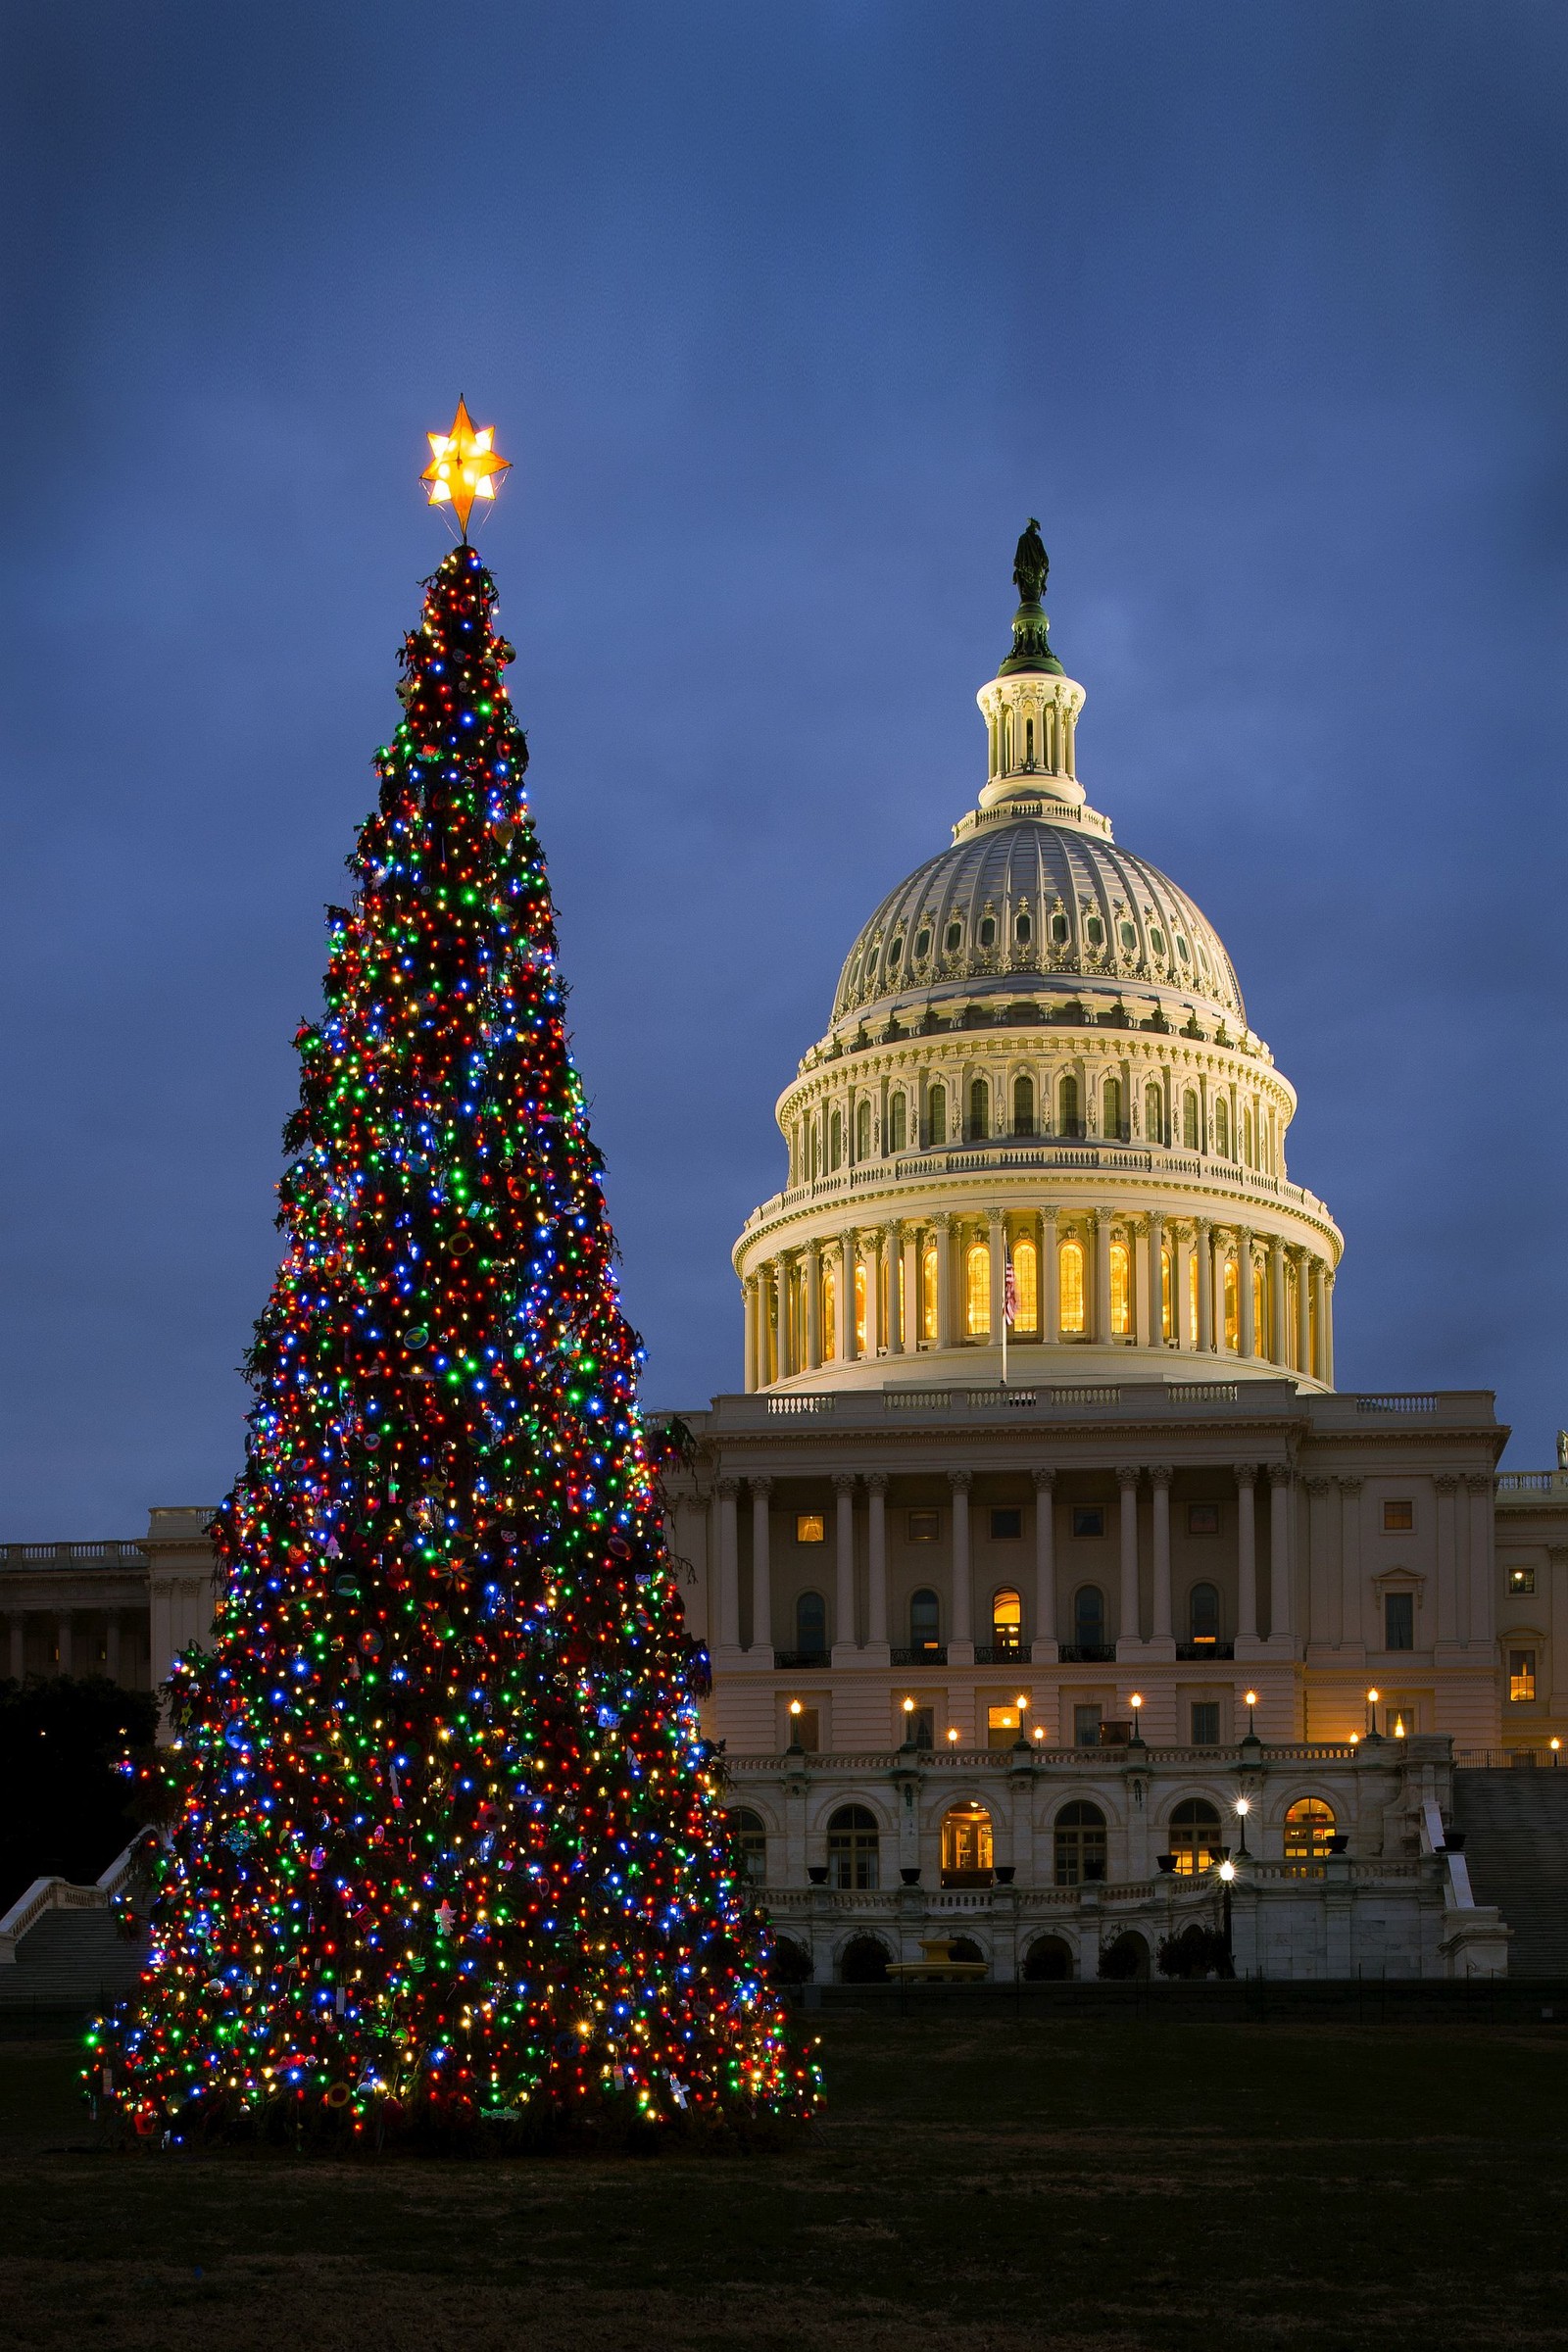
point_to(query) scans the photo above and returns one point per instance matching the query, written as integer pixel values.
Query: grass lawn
(984, 2183)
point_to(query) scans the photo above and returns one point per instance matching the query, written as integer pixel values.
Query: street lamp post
(1250, 1701)
(1244, 1806)
(1227, 1879)
(1372, 1699)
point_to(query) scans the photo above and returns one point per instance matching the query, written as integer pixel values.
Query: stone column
(1447, 1487)
(1157, 1288)
(1322, 1626)
(1352, 1618)
(1102, 1276)
(962, 1603)
(1279, 1554)
(996, 1235)
(749, 1295)
(1244, 1291)
(1481, 1630)
(113, 1659)
(1327, 1329)
(877, 1560)
(1304, 1313)
(1159, 1479)
(1044, 1641)
(64, 1644)
(1245, 1475)
(913, 1327)
(1049, 1278)
(814, 1306)
(762, 1571)
(1203, 1243)
(781, 1318)
(19, 1647)
(899, 1338)
(843, 1560)
(943, 1223)
(729, 1549)
(849, 1343)
(1130, 1636)
(1278, 1348)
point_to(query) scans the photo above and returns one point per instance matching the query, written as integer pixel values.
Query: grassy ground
(984, 2183)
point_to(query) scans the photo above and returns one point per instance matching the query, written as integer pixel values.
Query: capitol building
(1058, 1602)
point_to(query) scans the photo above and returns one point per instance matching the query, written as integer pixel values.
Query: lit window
(1192, 1298)
(1203, 1518)
(1193, 1835)
(1260, 1320)
(1070, 1262)
(1122, 1290)
(1079, 1830)
(1399, 1621)
(1308, 1827)
(810, 1626)
(1023, 1107)
(1006, 1620)
(1521, 1674)
(1206, 1723)
(1001, 1727)
(929, 1291)
(1399, 1518)
(1070, 1120)
(937, 1114)
(860, 1304)
(977, 1290)
(830, 1312)
(1233, 1310)
(749, 1836)
(810, 1528)
(1007, 1523)
(852, 1847)
(926, 1527)
(1521, 1579)
(1167, 1303)
(1026, 1285)
(1190, 1120)
(926, 1623)
(1112, 1126)
(1202, 1615)
(967, 1846)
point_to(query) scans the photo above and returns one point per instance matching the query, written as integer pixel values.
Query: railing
(1198, 1888)
(110, 1553)
(917, 1655)
(1533, 1481)
(1004, 1653)
(1202, 1391)
(792, 1403)
(1215, 1759)
(1088, 1653)
(1396, 1402)
(1505, 1759)
(59, 1894)
(797, 1658)
(916, 1400)
(982, 1399)
(1094, 1393)
(1186, 1651)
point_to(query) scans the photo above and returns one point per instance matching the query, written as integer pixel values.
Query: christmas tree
(445, 1853)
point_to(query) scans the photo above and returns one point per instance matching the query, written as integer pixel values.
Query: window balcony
(1194, 1651)
(792, 1659)
(1088, 1653)
(1002, 1653)
(924, 1653)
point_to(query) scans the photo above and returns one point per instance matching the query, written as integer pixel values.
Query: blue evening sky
(789, 317)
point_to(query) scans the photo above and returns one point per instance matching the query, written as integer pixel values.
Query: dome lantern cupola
(1031, 712)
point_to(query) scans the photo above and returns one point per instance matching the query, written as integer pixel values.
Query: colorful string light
(448, 1852)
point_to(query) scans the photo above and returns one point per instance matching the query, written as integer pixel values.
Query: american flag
(1009, 1293)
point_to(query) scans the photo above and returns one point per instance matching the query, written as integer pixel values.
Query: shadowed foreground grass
(983, 2184)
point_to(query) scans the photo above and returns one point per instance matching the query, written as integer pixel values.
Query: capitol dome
(1038, 1111)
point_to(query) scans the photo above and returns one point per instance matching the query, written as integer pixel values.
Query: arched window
(835, 1151)
(937, 1113)
(1153, 1114)
(979, 1110)
(1007, 1622)
(1292, 1316)
(896, 1124)
(1190, 1120)
(810, 1626)
(852, 1847)
(967, 1846)
(1026, 1284)
(1089, 1617)
(1233, 1308)
(929, 1291)
(1122, 1290)
(1202, 1615)
(1193, 1835)
(1222, 1128)
(749, 1836)
(1070, 1267)
(1070, 1119)
(1167, 1295)
(1023, 1107)
(1308, 1827)
(863, 1132)
(1249, 1134)
(860, 1307)
(1110, 1124)
(977, 1290)
(925, 1624)
(830, 1312)
(1260, 1333)
(1079, 1835)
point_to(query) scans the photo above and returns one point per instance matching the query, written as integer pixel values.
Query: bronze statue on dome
(1030, 565)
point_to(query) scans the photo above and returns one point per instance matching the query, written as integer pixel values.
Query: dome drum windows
(1111, 1123)
(898, 1122)
(937, 1115)
(977, 1290)
(1069, 1115)
(979, 1110)
(863, 1131)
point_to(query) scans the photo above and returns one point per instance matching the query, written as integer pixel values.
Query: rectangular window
(810, 1528)
(1521, 1579)
(1002, 1726)
(1088, 1522)
(1206, 1723)
(804, 1730)
(1203, 1518)
(1521, 1674)
(1399, 1621)
(1398, 1722)
(926, 1527)
(921, 1727)
(1086, 1725)
(1399, 1518)
(1007, 1525)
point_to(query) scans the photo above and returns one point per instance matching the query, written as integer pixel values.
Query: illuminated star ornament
(463, 466)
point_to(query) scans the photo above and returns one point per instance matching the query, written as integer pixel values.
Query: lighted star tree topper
(448, 1858)
(464, 466)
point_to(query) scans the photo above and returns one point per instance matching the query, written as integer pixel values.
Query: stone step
(1515, 1828)
(71, 1960)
